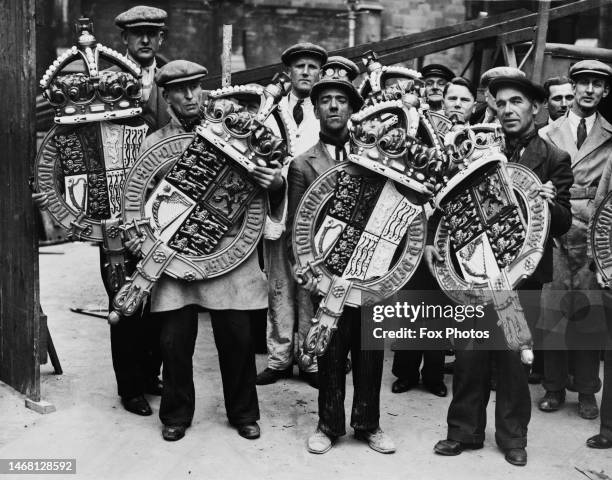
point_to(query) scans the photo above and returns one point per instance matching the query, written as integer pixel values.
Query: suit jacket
(303, 171)
(550, 163)
(587, 163)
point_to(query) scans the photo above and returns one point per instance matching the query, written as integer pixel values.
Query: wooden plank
(540, 40)
(226, 57)
(261, 74)
(19, 294)
(517, 36)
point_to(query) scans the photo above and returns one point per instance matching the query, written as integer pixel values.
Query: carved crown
(470, 150)
(384, 83)
(384, 139)
(91, 82)
(247, 123)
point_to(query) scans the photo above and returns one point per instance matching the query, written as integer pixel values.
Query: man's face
(333, 110)
(184, 98)
(560, 98)
(515, 111)
(142, 43)
(434, 87)
(304, 72)
(459, 103)
(588, 92)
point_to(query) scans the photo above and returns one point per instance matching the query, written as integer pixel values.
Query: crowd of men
(569, 153)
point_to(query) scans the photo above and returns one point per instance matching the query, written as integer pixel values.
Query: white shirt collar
(574, 121)
(332, 149)
(293, 99)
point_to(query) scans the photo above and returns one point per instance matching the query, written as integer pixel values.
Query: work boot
(587, 406)
(319, 442)
(376, 439)
(269, 375)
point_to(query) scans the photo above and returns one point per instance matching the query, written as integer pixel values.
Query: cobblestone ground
(109, 443)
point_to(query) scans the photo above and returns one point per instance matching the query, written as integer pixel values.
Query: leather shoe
(377, 440)
(311, 378)
(401, 385)
(451, 448)
(516, 456)
(587, 406)
(438, 389)
(599, 441)
(172, 433)
(552, 401)
(319, 442)
(250, 431)
(269, 375)
(154, 386)
(137, 405)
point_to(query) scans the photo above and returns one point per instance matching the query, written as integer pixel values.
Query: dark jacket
(551, 163)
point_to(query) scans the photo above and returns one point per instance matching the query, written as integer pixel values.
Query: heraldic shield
(360, 229)
(493, 229)
(601, 239)
(192, 195)
(83, 161)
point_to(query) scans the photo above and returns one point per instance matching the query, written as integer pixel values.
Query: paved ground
(109, 443)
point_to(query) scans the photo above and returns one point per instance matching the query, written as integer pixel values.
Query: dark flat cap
(338, 72)
(179, 71)
(495, 72)
(142, 16)
(523, 84)
(437, 70)
(304, 49)
(590, 67)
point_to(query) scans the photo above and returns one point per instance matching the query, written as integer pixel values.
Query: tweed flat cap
(590, 67)
(437, 70)
(522, 84)
(179, 71)
(304, 49)
(338, 72)
(489, 75)
(142, 16)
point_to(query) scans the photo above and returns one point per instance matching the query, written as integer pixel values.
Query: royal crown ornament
(384, 139)
(205, 213)
(90, 82)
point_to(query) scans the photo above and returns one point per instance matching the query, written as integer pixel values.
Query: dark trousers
(231, 330)
(367, 377)
(584, 367)
(134, 344)
(406, 365)
(606, 398)
(467, 414)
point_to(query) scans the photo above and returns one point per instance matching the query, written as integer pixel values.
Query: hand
(548, 192)
(308, 282)
(527, 356)
(600, 280)
(431, 254)
(41, 199)
(134, 245)
(269, 177)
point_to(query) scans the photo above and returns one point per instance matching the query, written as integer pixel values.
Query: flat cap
(304, 49)
(523, 84)
(489, 75)
(338, 72)
(142, 16)
(590, 67)
(437, 70)
(179, 71)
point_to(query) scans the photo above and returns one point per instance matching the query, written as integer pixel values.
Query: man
(289, 305)
(143, 31)
(587, 137)
(459, 98)
(517, 102)
(228, 298)
(335, 99)
(435, 77)
(559, 97)
(487, 112)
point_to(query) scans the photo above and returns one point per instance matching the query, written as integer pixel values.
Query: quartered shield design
(83, 170)
(192, 195)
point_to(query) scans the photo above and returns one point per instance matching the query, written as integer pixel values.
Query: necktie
(298, 112)
(340, 153)
(581, 133)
